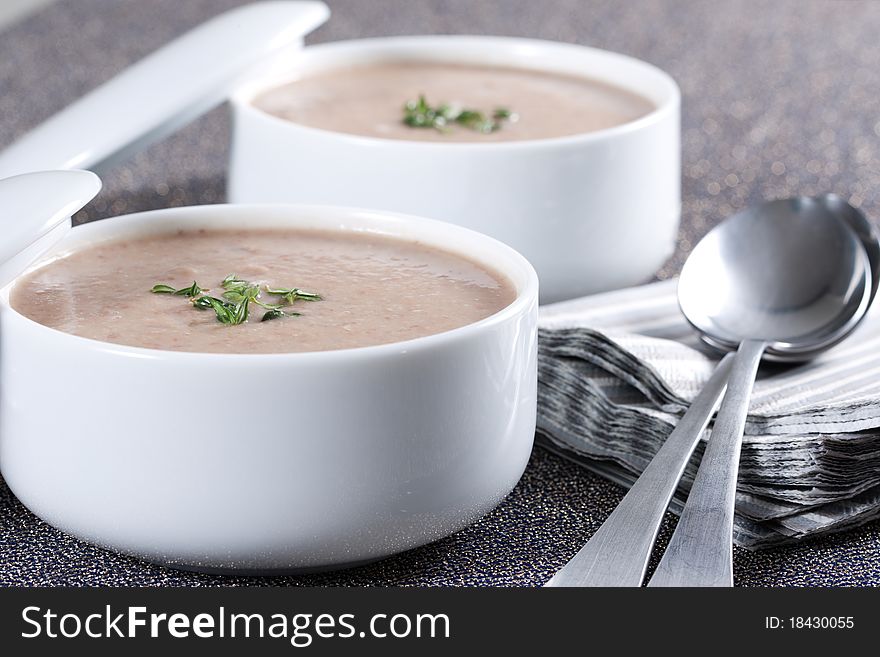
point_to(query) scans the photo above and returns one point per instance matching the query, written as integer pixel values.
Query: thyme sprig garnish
(238, 294)
(291, 294)
(191, 291)
(420, 114)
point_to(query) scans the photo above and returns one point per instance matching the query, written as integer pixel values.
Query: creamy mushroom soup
(452, 102)
(259, 291)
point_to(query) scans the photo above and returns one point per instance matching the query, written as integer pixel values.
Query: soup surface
(369, 100)
(374, 290)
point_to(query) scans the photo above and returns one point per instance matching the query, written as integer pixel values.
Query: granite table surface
(779, 97)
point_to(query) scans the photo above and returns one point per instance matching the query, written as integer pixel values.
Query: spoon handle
(618, 553)
(700, 552)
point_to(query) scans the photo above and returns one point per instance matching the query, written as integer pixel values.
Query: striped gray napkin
(617, 370)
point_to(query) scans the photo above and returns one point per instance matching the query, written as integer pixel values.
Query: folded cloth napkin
(617, 370)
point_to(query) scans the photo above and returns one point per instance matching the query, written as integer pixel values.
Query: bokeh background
(780, 97)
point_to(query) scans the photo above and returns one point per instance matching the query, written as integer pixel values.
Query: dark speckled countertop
(779, 97)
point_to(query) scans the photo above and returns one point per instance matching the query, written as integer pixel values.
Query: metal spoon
(618, 553)
(814, 210)
(780, 283)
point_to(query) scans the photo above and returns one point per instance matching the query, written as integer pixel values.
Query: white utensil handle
(36, 213)
(165, 90)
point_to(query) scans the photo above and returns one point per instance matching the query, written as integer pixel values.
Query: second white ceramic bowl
(273, 462)
(591, 212)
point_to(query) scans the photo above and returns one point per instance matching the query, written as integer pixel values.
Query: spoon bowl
(795, 274)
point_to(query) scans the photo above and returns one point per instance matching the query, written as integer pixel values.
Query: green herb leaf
(192, 291)
(238, 294)
(267, 306)
(234, 283)
(275, 313)
(291, 294)
(241, 311)
(237, 289)
(225, 311)
(420, 114)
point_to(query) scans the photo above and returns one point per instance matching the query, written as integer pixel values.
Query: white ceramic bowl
(591, 212)
(379, 449)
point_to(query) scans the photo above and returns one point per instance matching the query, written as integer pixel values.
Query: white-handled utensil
(36, 214)
(165, 90)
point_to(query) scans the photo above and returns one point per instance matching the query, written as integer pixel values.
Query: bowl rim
(242, 99)
(526, 293)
